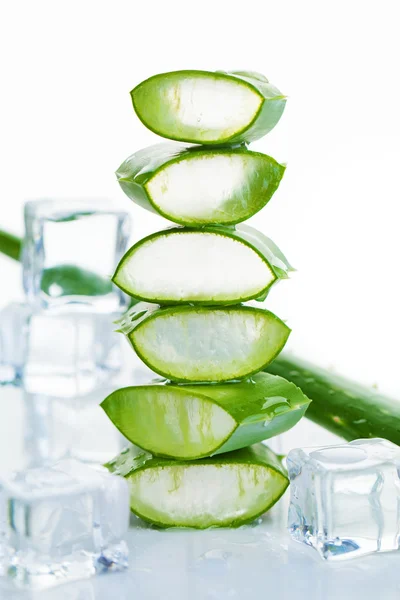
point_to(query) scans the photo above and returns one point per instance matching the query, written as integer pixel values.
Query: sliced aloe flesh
(197, 186)
(189, 343)
(208, 108)
(226, 490)
(194, 421)
(214, 265)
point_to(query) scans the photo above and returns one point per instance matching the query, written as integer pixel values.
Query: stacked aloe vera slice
(197, 459)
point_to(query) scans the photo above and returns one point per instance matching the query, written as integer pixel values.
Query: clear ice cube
(14, 323)
(75, 427)
(345, 500)
(71, 250)
(62, 523)
(57, 353)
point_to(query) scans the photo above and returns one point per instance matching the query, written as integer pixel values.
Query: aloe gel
(204, 344)
(211, 266)
(226, 490)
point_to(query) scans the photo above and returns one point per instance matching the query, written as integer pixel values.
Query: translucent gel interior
(195, 266)
(203, 495)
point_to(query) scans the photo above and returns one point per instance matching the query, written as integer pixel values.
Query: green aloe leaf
(194, 421)
(10, 245)
(213, 265)
(208, 108)
(62, 280)
(226, 490)
(189, 343)
(198, 186)
(342, 406)
(70, 280)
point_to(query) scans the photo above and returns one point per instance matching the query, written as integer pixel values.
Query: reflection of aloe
(64, 280)
(70, 280)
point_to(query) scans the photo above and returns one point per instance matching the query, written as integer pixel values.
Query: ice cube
(344, 500)
(62, 523)
(75, 427)
(70, 252)
(14, 323)
(57, 353)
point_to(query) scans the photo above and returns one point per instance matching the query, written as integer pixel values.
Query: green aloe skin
(349, 410)
(10, 245)
(194, 421)
(227, 490)
(197, 186)
(209, 108)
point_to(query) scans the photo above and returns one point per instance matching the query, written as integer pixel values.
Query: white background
(66, 123)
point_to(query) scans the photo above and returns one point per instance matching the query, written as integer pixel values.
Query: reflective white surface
(250, 563)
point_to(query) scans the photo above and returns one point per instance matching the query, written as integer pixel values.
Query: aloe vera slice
(189, 343)
(194, 421)
(208, 108)
(226, 490)
(197, 186)
(214, 265)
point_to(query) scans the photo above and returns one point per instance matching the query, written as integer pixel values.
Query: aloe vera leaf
(226, 490)
(197, 186)
(349, 410)
(194, 421)
(69, 279)
(208, 107)
(10, 245)
(214, 265)
(72, 280)
(213, 344)
(250, 75)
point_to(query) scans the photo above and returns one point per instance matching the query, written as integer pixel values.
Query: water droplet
(215, 559)
(337, 541)
(272, 401)
(359, 421)
(275, 406)
(216, 554)
(55, 291)
(281, 409)
(339, 455)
